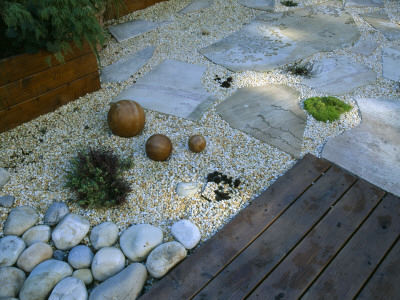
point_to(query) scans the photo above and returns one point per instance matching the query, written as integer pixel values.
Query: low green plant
(299, 69)
(325, 108)
(31, 25)
(96, 177)
(289, 3)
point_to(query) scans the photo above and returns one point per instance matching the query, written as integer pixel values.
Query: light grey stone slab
(270, 113)
(391, 63)
(364, 47)
(339, 75)
(134, 28)
(197, 5)
(174, 88)
(380, 21)
(267, 5)
(363, 3)
(276, 39)
(125, 67)
(372, 149)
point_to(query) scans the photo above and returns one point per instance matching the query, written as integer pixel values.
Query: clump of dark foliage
(226, 83)
(221, 193)
(299, 69)
(96, 177)
(289, 3)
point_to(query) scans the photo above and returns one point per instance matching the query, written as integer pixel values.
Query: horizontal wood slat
(130, 6)
(28, 110)
(47, 80)
(24, 65)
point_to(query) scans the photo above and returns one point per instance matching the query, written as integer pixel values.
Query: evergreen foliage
(325, 108)
(31, 25)
(96, 177)
(289, 3)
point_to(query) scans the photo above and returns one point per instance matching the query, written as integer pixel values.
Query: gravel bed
(37, 153)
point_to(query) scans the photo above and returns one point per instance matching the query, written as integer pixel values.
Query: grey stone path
(276, 39)
(372, 149)
(134, 28)
(270, 113)
(339, 75)
(364, 3)
(125, 67)
(174, 88)
(391, 63)
(197, 5)
(364, 47)
(267, 5)
(381, 22)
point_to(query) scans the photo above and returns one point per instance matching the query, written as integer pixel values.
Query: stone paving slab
(381, 22)
(196, 5)
(173, 87)
(339, 75)
(125, 67)
(267, 5)
(364, 3)
(134, 28)
(277, 39)
(270, 113)
(364, 47)
(391, 63)
(372, 149)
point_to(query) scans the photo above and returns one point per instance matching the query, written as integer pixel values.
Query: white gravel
(37, 153)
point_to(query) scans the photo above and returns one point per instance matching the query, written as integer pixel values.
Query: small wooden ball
(158, 147)
(197, 143)
(126, 118)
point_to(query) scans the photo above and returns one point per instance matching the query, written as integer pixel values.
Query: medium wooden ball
(197, 143)
(158, 147)
(126, 118)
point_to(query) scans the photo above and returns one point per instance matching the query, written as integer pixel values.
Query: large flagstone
(276, 39)
(364, 47)
(363, 3)
(267, 5)
(381, 22)
(174, 88)
(196, 5)
(391, 63)
(339, 75)
(372, 149)
(134, 28)
(125, 67)
(270, 113)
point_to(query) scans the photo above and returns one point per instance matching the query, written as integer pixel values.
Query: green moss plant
(325, 108)
(96, 177)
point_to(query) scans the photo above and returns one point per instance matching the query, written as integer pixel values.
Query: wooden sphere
(158, 147)
(126, 118)
(197, 143)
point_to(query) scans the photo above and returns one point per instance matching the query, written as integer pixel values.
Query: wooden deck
(318, 232)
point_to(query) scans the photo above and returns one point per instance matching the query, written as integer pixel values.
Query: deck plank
(292, 277)
(351, 268)
(385, 283)
(184, 281)
(239, 278)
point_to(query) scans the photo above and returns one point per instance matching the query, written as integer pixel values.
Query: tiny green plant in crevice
(299, 69)
(325, 108)
(96, 177)
(289, 3)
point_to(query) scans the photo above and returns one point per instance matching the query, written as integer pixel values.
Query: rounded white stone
(104, 235)
(107, 262)
(69, 288)
(39, 233)
(11, 248)
(186, 233)
(70, 231)
(34, 255)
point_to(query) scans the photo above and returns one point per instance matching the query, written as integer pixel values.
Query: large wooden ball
(197, 143)
(126, 118)
(158, 147)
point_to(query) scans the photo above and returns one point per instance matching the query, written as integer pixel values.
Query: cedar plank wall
(29, 87)
(130, 6)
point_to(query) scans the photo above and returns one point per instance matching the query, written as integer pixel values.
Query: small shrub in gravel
(289, 3)
(325, 108)
(96, 177)
(298, 69)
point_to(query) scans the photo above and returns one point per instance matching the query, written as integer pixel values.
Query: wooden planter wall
(130, 6)
(29, 87)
